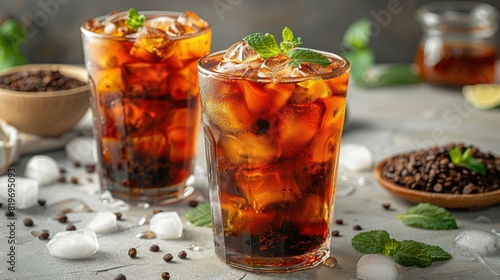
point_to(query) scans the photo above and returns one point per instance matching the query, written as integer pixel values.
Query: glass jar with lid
(458, 46)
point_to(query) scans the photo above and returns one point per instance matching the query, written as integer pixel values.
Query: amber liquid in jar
(457, 64)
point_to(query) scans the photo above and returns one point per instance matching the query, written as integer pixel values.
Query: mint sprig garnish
(134, 19)
(266, 46)
(466, 160)
(405, 252)
(357, 39)
(428, 216)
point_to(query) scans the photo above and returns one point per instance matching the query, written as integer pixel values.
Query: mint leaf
(371, 242)
(12, 36)
(200, 215)
(391, 247)
(466, 160)
(428, 216)
(134, 20)
(398, 74)
(289, 41)
(357, 35)
(406, 252)
(299, 56)
(456, 156)
(435, 252)
(362, 61)
(411, 253)
(263, 43)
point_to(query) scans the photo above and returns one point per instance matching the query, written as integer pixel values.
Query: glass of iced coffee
(145, 100)
(273, 117)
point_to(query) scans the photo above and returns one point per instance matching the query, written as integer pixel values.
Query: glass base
(155, 196)
(276, 264)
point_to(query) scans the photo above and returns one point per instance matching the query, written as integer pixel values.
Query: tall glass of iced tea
(145, 101)
(272, 133)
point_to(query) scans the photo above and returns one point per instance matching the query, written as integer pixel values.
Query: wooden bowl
(450, 201)
(45, 113)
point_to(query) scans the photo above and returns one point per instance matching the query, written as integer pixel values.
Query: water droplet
(146, 235)
(331, 262)
(483, 219)
(194, 247)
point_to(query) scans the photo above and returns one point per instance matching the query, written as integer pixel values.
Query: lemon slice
(482, 96)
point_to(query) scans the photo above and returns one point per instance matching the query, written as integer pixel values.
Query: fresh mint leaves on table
(200, 215)
(357, 38)
(466, 160)
(405, 252)
(134, 20)
(266, 46)
(428, 216)
(11, 38)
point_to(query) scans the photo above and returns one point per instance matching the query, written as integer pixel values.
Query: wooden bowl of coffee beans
(43, 99)
(430, 175)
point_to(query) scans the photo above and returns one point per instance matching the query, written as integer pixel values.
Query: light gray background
(54, 36)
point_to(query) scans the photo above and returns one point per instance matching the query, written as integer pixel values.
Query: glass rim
(92, 34)
(457, 13)
(202, 69)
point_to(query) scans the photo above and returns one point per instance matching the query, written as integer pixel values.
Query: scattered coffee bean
(132, 252)
(90, 168)
(335, 233)
(168, 257)
(28, 222)
(62, 218)
(120, 277)
(74, 180)
(339, 221)
(70, 227)
(42, 202)
(9, 213)
(182, 254)
(61, 179)
(386, 206)
(1, 204)
(165, 275)
(44, 235)
(357, 227)
(154, 248)
(118, 215)
(62, 170)
(77, 164)
(193, 203)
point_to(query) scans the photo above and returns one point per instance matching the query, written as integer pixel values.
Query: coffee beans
(120, 277)
(28, 222)
(165, 275)
(431, 170)
(39, 81)
(132, 252)
(182, 255)
(154, 248)
(168, 257)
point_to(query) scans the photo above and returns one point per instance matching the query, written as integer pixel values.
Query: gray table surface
(386, 120)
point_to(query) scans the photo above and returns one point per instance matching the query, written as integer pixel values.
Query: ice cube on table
(78, 244)
(103, 222)
(377, 267)
(82, 150)
(166, 225)
(476, 241)
(43, 169)
(355, 157)
(26, 191)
